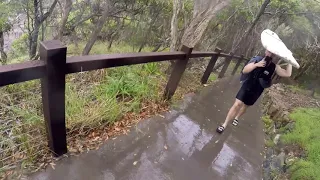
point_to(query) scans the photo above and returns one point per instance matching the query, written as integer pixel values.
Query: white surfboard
(274, 44)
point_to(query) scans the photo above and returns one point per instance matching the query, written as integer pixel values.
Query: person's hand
(261, 63)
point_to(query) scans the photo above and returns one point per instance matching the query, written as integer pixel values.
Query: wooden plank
(20, 72)
(210, 66)
(197, 54)
(237, 66)
(94, 62)
(225, 67)
(177, 72)
(53, 94)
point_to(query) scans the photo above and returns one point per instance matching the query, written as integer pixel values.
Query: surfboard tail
(274, 44)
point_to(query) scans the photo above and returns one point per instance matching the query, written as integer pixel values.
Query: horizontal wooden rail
(93, 62)
(30, 70)
(21, 72)
(54, 65)
(197, 54)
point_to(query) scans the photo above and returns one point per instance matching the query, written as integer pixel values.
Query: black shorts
(249, 96)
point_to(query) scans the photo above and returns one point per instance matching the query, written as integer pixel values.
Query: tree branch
(47, 14)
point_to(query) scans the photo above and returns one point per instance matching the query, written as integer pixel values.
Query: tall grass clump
(306, 134)
(120, 90)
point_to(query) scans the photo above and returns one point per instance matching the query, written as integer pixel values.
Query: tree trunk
(96, 31)
(202, 16)
(142, 46)
(3, 55)
(37, 22)
(66, 12)
(34, 40)
(157, 47)
(248, 32)
(204, 11)
(174, 25)
(313, 92)
(110, 43)
(301, 71)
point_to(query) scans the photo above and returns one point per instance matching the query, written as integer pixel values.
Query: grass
(306, 134)
(269, 143)
(212, 78)
(119, 91)
(303, 90)
(297, 89)
(268, 122)
(102, 48)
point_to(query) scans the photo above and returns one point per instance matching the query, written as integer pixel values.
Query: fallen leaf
(135, 163)
(52, 165)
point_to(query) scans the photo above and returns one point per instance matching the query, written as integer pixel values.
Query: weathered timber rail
(54, 65)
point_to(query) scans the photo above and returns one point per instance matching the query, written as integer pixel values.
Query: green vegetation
(117, 92)
(268, 122)
(269, 143)
(298, 89)
(213, 77)
(101, 47)
(306, 134)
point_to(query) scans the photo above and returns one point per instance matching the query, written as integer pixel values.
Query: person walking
(256, 76)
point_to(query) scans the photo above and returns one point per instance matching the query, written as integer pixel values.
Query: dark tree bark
(97, 30)
(66, 11)
(157, 47)
(3, 55)
(174, 24)
(301, 71)
(37, 22)
(254, 23)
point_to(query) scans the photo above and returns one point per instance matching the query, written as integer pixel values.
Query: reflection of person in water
(256, 76)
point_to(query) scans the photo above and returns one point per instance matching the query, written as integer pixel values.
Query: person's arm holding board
(252, 66)
(284, 72)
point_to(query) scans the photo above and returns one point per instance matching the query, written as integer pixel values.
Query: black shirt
(259, 77)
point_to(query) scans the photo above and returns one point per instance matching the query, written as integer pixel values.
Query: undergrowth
(306, 134)
(100, 47)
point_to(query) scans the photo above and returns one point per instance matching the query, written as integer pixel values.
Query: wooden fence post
(237, 65)
(210, 66)
(225, 67)
(54, 54)
(177, 72)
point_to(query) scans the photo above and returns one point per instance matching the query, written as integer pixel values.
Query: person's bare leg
(241, 112)
(233, 112)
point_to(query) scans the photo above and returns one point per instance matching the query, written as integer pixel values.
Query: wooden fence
(54, 65)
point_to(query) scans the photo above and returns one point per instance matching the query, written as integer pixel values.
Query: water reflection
(147, 170)
(187, 136)
(229, 163)
(224, 159)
